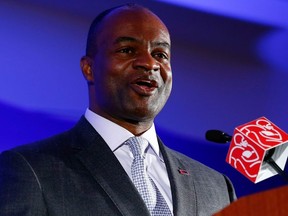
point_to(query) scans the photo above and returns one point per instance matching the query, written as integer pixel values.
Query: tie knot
(137, 145)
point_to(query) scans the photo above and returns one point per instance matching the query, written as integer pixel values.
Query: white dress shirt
(115, 136)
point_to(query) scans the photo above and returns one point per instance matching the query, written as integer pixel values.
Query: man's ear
(86, 67)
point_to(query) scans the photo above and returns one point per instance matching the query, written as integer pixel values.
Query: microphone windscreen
(217, 136)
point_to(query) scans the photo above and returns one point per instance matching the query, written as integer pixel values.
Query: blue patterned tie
(149, 192)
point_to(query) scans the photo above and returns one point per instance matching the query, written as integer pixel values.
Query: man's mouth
(147, 83)
(145, 87)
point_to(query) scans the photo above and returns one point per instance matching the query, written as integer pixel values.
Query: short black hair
(91, 45)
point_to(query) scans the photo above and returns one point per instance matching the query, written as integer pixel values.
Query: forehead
(137, 22)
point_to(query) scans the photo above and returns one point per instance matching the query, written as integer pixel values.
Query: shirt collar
(115, 135)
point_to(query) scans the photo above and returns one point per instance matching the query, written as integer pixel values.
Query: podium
(272, 202)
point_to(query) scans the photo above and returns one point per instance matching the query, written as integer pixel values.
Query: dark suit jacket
(76, 174)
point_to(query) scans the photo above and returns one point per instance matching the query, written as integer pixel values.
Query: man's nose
(147, 62)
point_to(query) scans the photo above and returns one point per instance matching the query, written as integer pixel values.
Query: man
(88, 169)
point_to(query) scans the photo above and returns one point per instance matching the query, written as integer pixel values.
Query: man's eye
(161, 55)
(126, 50)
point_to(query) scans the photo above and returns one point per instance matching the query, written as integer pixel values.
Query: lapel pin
(182, 171)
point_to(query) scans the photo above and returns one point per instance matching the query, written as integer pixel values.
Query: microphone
(218, 136)
(258, 149)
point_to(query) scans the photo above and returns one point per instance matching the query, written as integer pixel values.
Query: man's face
(132, 76)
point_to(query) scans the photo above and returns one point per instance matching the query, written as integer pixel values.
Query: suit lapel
(97, 157)
(181, 182)
(101, 162)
